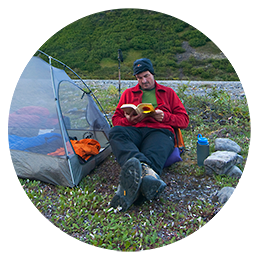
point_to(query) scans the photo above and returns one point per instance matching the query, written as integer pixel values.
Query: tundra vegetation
(187, 203)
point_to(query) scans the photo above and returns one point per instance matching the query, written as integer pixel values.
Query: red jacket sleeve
(119, 117)
(175, 114)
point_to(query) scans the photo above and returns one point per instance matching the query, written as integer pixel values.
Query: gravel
(234, 88)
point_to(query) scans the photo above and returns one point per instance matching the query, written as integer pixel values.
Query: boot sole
(130, 182)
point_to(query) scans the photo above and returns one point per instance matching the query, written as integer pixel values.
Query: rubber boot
(130, 182)
(152, 185)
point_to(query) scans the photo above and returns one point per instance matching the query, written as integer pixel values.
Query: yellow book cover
(140, 108)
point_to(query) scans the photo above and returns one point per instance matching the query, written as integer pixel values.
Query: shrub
(196, 42)
(178, 43)
(195, 38)
(197, 71)
(205, 75)
(91, 66)
(179, 27)
(230, 69)
(139, 43)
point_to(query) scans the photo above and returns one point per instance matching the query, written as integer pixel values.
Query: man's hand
(158, 115)
(133, 118)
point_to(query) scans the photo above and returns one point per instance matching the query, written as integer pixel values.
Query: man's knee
(115, 131)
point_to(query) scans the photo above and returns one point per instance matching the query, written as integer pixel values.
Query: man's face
(145, 80)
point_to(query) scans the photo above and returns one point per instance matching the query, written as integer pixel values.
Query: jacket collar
(157, 87)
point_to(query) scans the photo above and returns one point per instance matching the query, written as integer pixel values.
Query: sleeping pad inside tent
(57, 132)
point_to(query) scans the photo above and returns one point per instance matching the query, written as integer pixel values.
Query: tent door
(89, 134)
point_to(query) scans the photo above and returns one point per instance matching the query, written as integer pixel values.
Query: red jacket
(175, 115)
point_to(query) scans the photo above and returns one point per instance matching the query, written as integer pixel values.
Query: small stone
(235, 172)
(220, 162)
(226, 145)
(239, 159)
(224, 194)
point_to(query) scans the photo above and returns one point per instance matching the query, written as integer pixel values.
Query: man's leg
(150, 146)
(157, 146)
(130, 182)
(125, 143)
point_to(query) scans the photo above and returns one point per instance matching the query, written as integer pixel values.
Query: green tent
(48, 111)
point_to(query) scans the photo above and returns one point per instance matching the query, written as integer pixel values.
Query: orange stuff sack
(85, 148)
(179, 139)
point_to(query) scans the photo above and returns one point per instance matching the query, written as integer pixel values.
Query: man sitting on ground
(142, 142)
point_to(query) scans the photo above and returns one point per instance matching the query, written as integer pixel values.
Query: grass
(209, 48)
(188, 202)
(108, 62)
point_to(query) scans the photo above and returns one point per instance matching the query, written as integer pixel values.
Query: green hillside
(90, 47)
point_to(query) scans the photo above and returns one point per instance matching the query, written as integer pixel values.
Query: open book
(140, 108)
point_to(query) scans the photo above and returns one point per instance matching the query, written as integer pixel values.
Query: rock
(227, 145)
(235, 172)
(224, 194)
(239, 159)
(220, 162)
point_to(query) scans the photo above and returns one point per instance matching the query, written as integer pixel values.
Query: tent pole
(89, 90)
(61, 122)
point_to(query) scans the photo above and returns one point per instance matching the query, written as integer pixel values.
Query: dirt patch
(189, 51)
